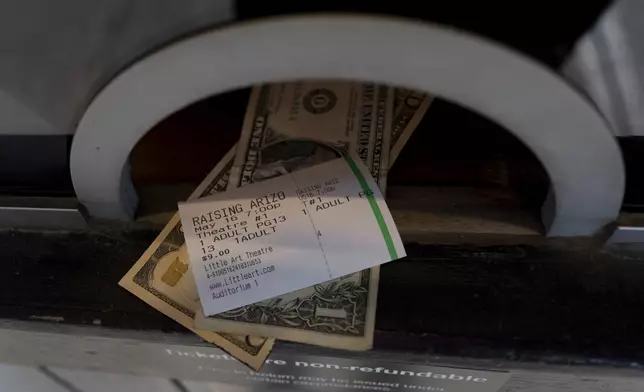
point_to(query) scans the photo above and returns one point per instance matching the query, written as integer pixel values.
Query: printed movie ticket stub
(287, 233)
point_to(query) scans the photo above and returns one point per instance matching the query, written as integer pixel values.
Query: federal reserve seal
(319, 101)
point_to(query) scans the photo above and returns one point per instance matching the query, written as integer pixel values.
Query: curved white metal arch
(565, 132)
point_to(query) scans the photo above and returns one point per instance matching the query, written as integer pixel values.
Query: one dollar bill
(289, 127)
(162, 277)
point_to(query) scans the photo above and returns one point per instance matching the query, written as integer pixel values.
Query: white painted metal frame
(567, 135)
